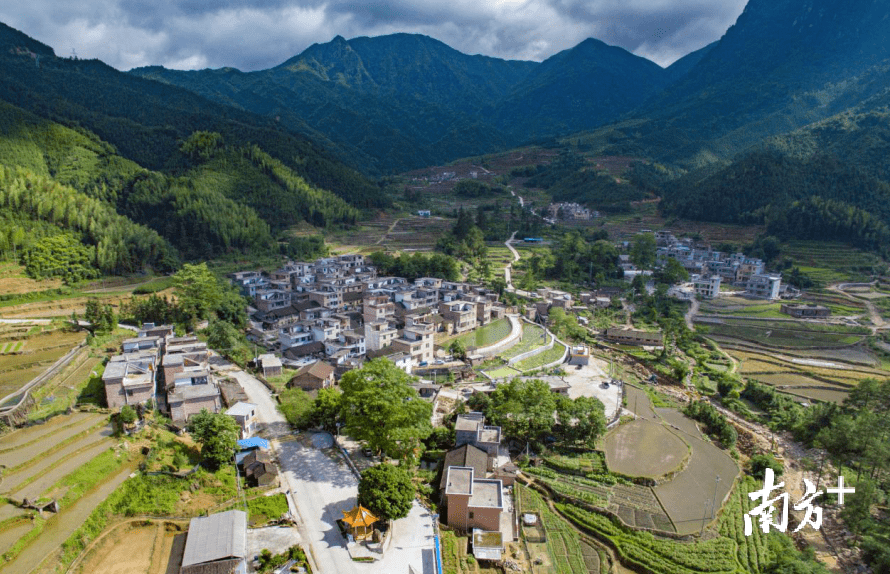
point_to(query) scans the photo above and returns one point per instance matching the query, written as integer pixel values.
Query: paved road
(509, 268)
(322, 486)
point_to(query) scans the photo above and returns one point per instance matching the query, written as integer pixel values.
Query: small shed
(359, 522)
(216, 543)
(269, 364)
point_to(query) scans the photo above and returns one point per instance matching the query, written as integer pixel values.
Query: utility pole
(714, 503)
(704, 517)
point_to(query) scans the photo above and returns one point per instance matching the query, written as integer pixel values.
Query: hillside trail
(877, 321)
(508, 270)
(691, 313)
(388, 231)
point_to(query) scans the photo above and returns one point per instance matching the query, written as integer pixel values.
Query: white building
(763, 286)
(707, 287)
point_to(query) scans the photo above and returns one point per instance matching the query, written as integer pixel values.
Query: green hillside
(146, 121)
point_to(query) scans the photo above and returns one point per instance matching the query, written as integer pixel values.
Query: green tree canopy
(198, 292)
(381, 408)
(387, 491)
(218, 435)
(296, 405)
(643, 250)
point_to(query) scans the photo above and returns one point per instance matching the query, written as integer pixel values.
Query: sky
(258, 34)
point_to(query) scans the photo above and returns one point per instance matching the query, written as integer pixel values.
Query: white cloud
(256, 34)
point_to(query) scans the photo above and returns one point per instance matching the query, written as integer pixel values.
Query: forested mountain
(146, 121)
(783, 65)
(112, 173)
(390, 103)
(580, 88)
(403, 101)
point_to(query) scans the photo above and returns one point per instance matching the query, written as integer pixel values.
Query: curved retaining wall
(533, 352)
(503, 344)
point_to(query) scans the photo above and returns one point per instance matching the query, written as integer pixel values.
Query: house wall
(114, 393)
(485, 518)
(457, 511)
(181, 411)
(309, 382)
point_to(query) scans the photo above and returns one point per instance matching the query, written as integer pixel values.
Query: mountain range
(234, 158)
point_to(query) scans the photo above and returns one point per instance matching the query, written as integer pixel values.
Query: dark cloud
(255, 34)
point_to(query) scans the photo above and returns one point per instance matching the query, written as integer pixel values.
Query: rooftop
(187, 392)
(241, 409)
(466, 456)
(216, 537)
(486, 493)
(459, 480)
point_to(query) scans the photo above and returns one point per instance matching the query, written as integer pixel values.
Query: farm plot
(636, 506)
(48, 466)
(644, 448)
(562, 552)
(139, 546)
(503, 373)
(770, 336)
(38, 351)
(16, 456)
(684, 495)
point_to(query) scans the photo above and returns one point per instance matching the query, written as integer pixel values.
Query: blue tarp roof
(253, 442)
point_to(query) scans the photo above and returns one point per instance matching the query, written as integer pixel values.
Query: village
(313, 322)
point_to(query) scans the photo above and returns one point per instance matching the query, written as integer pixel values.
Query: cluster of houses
(570, 212)
(338, 310)
(710, 269)
(169, 372)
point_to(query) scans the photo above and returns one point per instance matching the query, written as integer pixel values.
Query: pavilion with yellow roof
(360, 522)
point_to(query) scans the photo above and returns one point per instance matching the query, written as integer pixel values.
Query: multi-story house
(379, 334)
(461, 314)
(130, 379)
(417, 340)
(707, 287)
(764, 286)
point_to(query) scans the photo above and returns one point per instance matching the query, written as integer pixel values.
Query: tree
(296, 405)
(217, 433)
(643, 250)
(581, 420)
(128, 415)
(761, 462)
(325, 411)
(672, 272)
(387, 491)
(523, 409)
(381, 408)
(100, 317)
(198, 292)
(458, 349)
(224, 337)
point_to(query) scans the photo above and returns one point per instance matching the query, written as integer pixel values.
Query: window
(471, 516)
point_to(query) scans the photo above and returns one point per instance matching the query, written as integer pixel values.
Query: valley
(386, 306)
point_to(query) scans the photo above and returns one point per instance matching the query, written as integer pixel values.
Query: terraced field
(66, 459)
(550, 355)
(644, 448)
(38, 348)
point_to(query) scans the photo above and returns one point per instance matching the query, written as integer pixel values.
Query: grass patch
(533, 336)
(545, 358)
(264, 509)
(487, 335)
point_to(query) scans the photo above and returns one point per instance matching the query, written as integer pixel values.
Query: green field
(533, 336)
(487, 335)
(545, 358)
